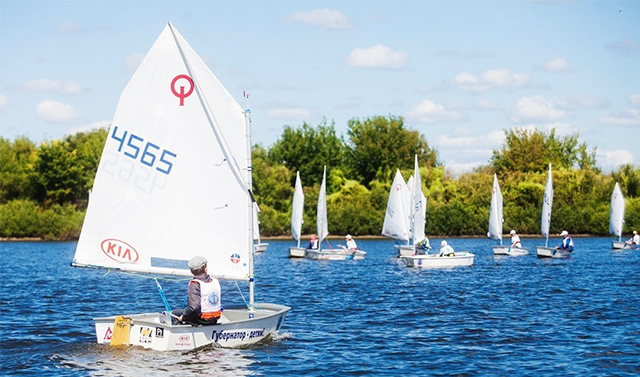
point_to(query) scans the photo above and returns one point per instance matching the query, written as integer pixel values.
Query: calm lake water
(516, 316)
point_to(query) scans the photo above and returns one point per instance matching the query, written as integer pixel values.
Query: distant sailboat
(616, 217)
(297, 208)
(460, 258)
(323, 231)
(174, 182)
(545, 221)
(396, 220)
(258, 245)
(495, 224)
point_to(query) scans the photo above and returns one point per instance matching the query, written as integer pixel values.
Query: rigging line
(164, 298)
(248, 305)
(235, 169)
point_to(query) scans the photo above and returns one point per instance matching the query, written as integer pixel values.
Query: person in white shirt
(351, 243)
(446, 249)
(515, 239)
(635, 240)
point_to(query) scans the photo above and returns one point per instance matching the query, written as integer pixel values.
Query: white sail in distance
(396, 224)
(495, 214)
(418, 207)
(616, 213)
(322, 223)
(297, 208)
(547, 203)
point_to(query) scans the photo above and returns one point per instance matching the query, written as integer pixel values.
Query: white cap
(348, 236)
(564, 233)
(197, 262)
(513, 231)
(443, 243)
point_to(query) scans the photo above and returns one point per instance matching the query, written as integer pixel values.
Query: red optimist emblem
(181, 94)
(119, 251)
(235, 258)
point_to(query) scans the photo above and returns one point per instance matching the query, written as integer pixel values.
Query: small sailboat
(616, 217)
(258, 245)
(459, 258)
(297, 208)
(323, 231)
(495, 224)
(174, 182)
(396, 220)
(545, 221)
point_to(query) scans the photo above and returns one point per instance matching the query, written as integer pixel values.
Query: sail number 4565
(149, 154)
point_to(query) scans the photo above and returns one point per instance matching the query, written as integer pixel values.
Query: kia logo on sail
(119, 251)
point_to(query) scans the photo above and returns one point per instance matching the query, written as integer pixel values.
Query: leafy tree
(17, 166)
(379, 145)
(88, 147)
(308, 150)
(629, 180)
(58, 173)
(532, 150)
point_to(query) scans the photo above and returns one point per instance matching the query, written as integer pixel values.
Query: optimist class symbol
(182, 95)
(235, 258)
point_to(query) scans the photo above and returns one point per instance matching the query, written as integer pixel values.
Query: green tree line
(44, 188)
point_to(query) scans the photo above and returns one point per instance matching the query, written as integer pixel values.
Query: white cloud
(458, 168)
(321, 18)
(4, 102)
(583, 102)
(294, 113)
(56, 112)
(460, 138)
(613, 159)
(429, 112)
(627, 118)
(562, 129)
(635, 99)
(626, 47)
(491, 79)
(68, 28)
(132, 62)
(536, 108)
(556, 65)
(377, 56)
(88, 127)
(53, 86)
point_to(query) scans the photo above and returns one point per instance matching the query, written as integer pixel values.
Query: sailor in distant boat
(635, 240)
(567, 242)
(204, 306)
(446, 250)
(351, 243)
(313, 243)
(515, 239)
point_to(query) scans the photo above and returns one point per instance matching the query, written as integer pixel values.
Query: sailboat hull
(551, 252)
(404, 250)
(297, 252)
(238, 327)
(618, 245)
(336, 254)
(512, 251)
(260, 247)
(461, 258)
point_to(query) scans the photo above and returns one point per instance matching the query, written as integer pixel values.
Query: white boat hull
(336, 254)
(260, 247)
(460, 258)
(618, 245)
(297, 252)
(237, 328)
(512, 251)
(404, 250)
(551, 252)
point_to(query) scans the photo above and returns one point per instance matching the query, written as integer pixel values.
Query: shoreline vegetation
(44, 188)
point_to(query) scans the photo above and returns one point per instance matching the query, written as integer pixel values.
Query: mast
(251, 203)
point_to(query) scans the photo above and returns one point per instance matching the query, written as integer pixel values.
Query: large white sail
(547, 203)
(396, 219)
(169, 186)
(616, 214)
(418, 207)
(495, 215)
(297, 208)
(322, 223)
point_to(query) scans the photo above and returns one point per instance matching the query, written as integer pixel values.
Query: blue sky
(460, 72)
